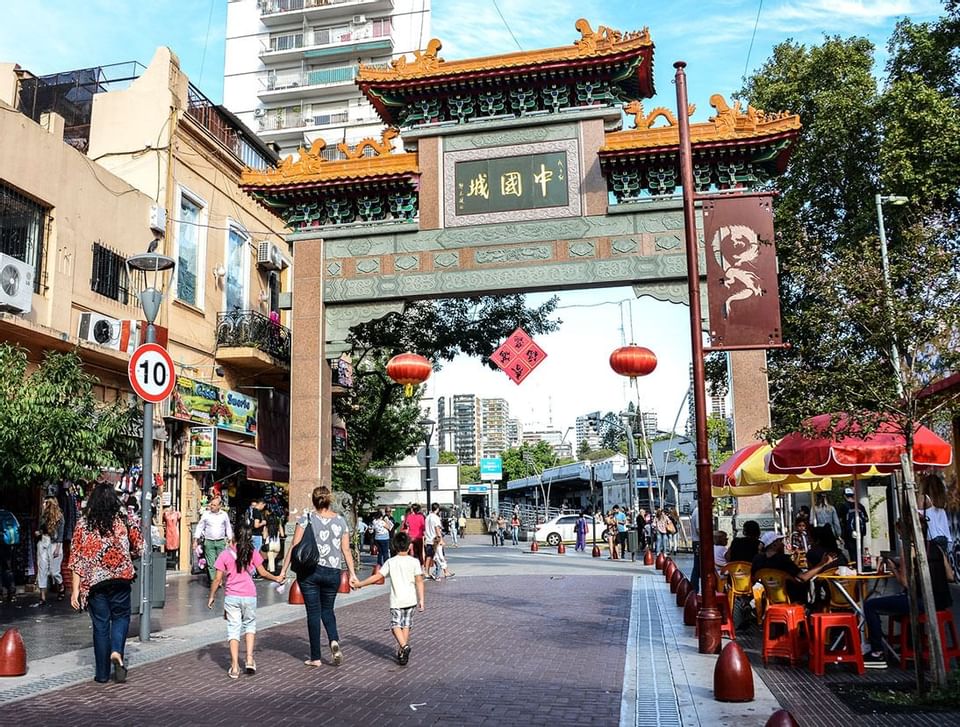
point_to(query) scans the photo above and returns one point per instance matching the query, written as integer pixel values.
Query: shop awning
(259, 466)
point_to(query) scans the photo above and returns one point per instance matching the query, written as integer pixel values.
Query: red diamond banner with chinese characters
(518, 356)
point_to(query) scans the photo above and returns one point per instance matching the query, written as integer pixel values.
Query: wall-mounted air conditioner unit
(16, 285)
(359, 20)
(258, 113)
(109, 332)
(269, 256)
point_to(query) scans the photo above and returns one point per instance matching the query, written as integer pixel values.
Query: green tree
(52, 426)
(447, 458)
(469, 474)
(584, 449)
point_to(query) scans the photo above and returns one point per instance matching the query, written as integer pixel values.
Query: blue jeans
(661, 542)
(898, 605)
(110, 613)
(319, 591)
(257, 542)
(383, 550)
(515, 535)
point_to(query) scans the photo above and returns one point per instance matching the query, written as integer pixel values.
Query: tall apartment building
(290, 65)
(716, 406)
(465, 413)
(494, 415)
(588, 428)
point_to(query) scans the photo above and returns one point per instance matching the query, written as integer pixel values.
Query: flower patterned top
(97, 558)
(328, 532)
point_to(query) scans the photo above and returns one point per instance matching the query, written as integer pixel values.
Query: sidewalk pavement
(514, 638)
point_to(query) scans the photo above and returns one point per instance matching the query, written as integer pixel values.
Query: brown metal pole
(708, 619)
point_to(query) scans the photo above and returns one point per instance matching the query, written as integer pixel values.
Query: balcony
(295, 85)
(328, 44)
(284, 12)
(251, 342)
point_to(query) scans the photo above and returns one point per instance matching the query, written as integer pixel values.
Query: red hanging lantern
(409, 369)
(633, 361)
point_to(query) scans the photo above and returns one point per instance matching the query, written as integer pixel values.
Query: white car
(562, 528)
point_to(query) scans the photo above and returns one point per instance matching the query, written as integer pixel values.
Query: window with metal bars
(109, 276)
(22, 226)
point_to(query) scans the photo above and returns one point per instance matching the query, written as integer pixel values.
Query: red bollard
(534, 547)
(296, 597)
(661, 561)
(691, 608)
(596, 551)
(13, 654)
(648, 557)
(781, 718)
(344, 582)
(682, 590)
(668, 570)
(732, 676)
(561, 548)
(675, 580)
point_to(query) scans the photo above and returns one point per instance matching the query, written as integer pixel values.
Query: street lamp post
(893, 199)
(150, 299)
(593, 516)
(426, 424)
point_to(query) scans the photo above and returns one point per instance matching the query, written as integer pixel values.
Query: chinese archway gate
(515, 176)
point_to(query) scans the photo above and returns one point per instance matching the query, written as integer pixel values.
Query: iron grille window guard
(109, 276)
(23, 224)
(247, 328)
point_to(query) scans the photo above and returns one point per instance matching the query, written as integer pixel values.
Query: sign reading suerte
(504, 184)
(491, 468)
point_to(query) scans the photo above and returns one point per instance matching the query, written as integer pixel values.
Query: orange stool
(793, 642)
(726, 623)
(951, 646)
(820, 625)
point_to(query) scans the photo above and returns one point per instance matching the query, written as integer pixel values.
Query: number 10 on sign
(151, 372)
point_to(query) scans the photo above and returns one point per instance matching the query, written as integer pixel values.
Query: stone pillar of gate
(750, 393)
(310, 383)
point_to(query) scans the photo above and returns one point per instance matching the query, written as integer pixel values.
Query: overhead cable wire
(752, 37)
(507, 25)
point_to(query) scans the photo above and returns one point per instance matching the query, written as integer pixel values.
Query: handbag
(305, 555)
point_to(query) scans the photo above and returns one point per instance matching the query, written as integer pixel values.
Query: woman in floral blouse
(101, 557)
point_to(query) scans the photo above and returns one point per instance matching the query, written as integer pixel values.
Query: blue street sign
(478, 489)
(491, 468)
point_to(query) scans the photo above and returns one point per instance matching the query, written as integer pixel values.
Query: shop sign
(201, 403)
(203, 449)
(524, 182)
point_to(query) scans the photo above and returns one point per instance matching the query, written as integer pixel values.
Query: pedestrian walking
(382, 526)
(453, 525)
(824, 513)
(580, 528)
(237, 564)
(660, 521)
(501, 530)
(258, 521)
(215, 530)
(49, 549)
(9, 538)
(275, 536)
(439, 571)
(319, 587)
(416, 525)
(515, 528)
(462, 524)
(102, 550)
(406, 592)
(433, 527)
(620, 523)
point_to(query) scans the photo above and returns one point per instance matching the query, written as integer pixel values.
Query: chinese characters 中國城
(511, 183)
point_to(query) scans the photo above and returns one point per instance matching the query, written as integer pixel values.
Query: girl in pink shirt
(237, 563)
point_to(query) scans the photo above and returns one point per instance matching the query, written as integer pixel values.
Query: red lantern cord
(409, 369)
(633, 361)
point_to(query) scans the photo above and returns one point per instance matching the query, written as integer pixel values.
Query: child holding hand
(406, 592)
(238, 563)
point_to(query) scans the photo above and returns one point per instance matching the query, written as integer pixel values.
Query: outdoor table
(865, 585)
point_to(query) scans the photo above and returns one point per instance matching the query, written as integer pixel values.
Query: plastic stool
(793, 643)
(951, 646)
(726, 623)
(820, 624)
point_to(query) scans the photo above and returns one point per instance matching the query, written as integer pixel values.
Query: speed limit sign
(151, 372)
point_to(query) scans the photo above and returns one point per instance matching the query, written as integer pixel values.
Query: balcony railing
(322, 77)
(297, 120)
(249, 329)
(272, 7)
(326, 37)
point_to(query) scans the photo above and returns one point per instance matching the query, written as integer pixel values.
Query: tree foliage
(52, 426)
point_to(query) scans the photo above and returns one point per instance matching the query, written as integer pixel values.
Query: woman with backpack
(318, 566)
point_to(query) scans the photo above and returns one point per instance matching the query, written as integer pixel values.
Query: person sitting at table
(941, 574)
(773, 556)
(824, 544)
(719, 549)
(746, 547)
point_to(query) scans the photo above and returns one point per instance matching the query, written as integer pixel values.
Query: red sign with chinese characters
(518, 356)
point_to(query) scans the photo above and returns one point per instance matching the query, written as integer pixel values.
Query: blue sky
(713, 36)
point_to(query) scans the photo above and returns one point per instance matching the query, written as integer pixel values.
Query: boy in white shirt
(406, 592)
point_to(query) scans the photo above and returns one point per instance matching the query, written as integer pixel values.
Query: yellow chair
(837, 601)
(739, 580)
(774, 584)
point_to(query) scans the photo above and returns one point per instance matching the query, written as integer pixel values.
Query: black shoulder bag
(305, 555)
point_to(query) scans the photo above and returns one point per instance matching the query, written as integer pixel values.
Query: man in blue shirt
(620, 517)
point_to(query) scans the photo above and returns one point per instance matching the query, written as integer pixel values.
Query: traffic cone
(781, 718)
(296, 597)
(561, 548)
(648, 557)
(691, 608)
(344, 582)
(732, 675)
(13, 654)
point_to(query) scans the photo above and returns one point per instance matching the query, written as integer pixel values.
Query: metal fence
(247, 328)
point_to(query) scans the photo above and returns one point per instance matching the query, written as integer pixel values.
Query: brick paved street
(531, 649)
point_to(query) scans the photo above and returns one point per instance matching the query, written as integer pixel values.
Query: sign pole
(146, 510)
(708, 619)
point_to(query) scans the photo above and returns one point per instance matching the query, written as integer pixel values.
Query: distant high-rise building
(460, 426)
(290, 65)
(716, 406)
(554, 437)
(494, 418)
(514, 432)
(588, 429)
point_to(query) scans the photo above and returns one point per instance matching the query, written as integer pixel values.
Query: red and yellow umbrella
(744, 473)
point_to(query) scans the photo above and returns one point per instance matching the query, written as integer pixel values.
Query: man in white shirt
(215, 529)
(432, 529)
